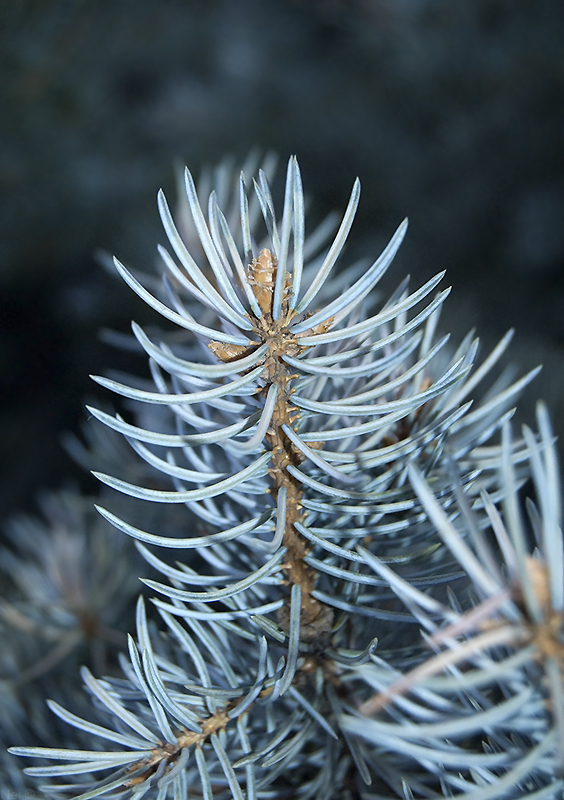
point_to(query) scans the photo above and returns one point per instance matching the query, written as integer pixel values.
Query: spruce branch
(332, 470)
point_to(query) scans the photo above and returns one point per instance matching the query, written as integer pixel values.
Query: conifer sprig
(339, 469)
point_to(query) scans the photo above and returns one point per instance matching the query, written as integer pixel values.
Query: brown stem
(316, 617)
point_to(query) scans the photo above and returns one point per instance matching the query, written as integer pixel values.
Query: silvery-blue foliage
(330, 474)
(69, 581)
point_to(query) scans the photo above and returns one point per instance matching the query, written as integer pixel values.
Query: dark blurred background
(450, 112)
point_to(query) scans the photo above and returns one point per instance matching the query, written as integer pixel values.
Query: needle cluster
(360, 609)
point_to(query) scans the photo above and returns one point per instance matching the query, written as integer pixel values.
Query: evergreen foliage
(361, 608)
